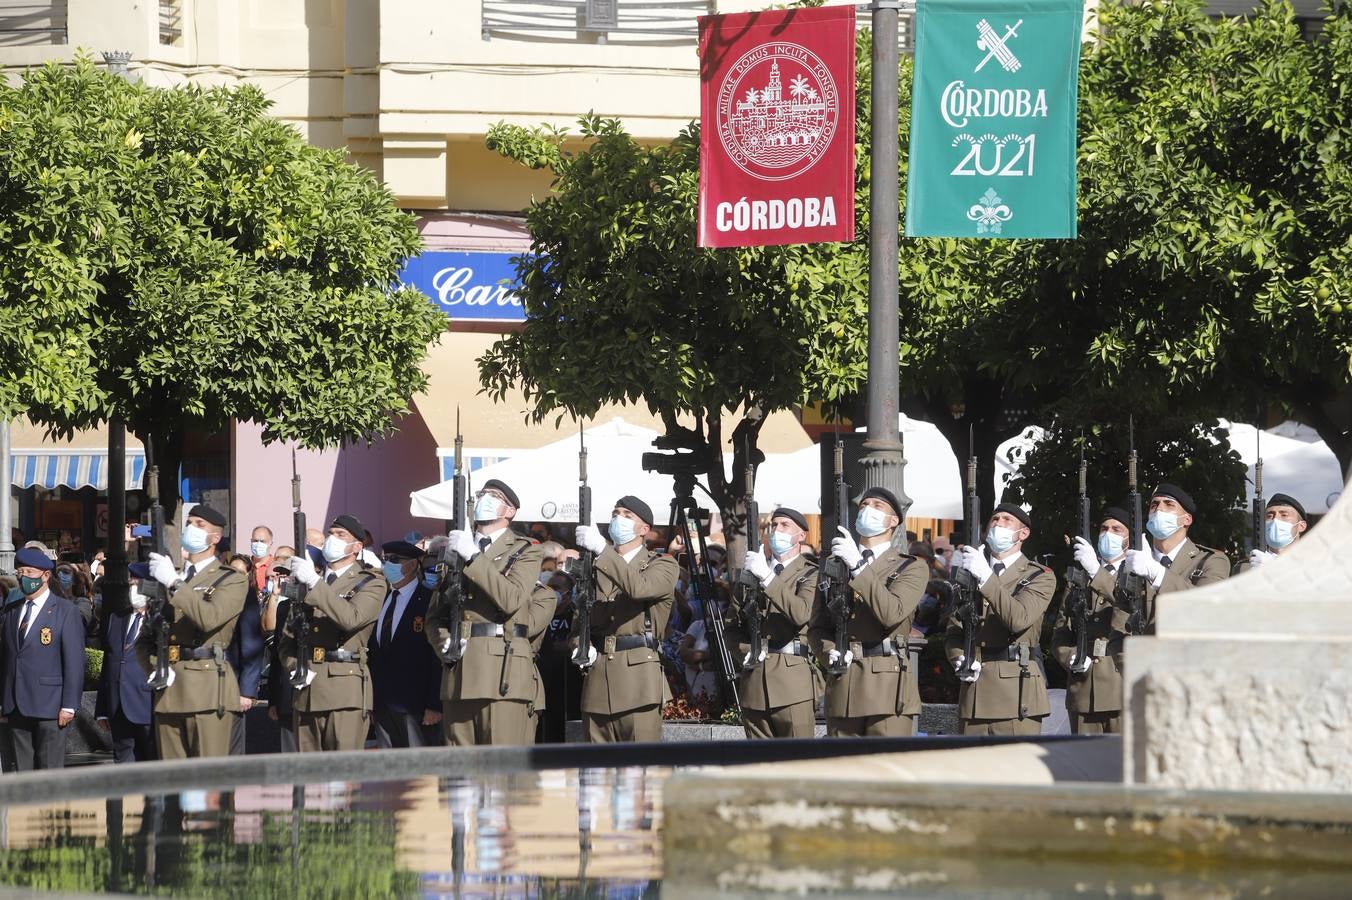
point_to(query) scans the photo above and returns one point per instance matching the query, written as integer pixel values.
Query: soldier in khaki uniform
(487, 694)
(1094, 684)
(1007, 691)
(779, 691)
(332, 711)
(878, 694)
(625, 687)
(1168, 559)
(1283, 525)
(195, 712)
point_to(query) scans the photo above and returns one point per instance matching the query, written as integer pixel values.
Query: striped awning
(72, 468)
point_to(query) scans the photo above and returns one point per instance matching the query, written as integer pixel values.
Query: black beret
(139, 570)
(402, 549)
(792, 515)
(1015, 511)
(637, 507)
(884, 495)
(1116, 513)
(352, 524)
(495, 484)
(1183, 497)
(202, 511)
(1286, 500)
(32, 558)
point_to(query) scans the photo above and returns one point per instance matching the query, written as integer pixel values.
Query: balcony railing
(30, 23)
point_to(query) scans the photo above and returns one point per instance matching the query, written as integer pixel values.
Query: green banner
(993, 119)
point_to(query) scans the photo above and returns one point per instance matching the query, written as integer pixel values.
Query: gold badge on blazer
(417, 624)
(45, 636)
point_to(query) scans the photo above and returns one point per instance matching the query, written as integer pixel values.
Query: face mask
(1000, 539)
(335, 548)
(138, 601)
(1110, 546)
(621, 530)
(1161, 524)
(393, 571)
(194, 539)
(1279, 534)
(67, 579)
(29, 585)
(781, 543)
(259, 549)
(870, 522)
(486, 508)
(429, 578)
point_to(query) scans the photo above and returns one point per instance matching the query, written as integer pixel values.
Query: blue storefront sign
(470, 287)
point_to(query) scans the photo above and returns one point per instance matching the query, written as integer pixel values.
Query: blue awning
(72, 468)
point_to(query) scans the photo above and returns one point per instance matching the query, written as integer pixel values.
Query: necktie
(387, 621)
(330, 578)
(779, 567)
(23, 621)
(191, 573)
(1165, 561)
(132, 631)
(484, 544)
(997, 568)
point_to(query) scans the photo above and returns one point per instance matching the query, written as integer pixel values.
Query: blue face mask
(487, 508)
(194, 539)
(781, 542)
(1000, 539)
(429, 578)
(870, 522)
(67, 579)
(1279, 534)
(1161, 524)
(393, 571)
(621, 530)
(1111, 546)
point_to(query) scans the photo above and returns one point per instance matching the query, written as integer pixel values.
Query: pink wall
(372, 483)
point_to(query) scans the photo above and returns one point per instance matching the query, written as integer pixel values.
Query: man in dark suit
(43, 666)
(405, 672)
(245, 655)
(125, 704)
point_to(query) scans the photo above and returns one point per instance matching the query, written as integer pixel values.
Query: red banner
(776, 127)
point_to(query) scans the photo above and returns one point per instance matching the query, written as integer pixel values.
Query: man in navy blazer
(245, 654)
(42, 665)
(405, 672)
(125, 702)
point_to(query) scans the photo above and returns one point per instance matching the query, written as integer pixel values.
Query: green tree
(179, 258)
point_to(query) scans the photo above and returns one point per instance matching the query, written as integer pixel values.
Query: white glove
(309, 677)
(976, 666)
(1142, 562)
(446, 646)
(589, 539)
(845, 548)
(462, 542)
(151, 676)
(1086, 556)
(974, 561)
(748, 662)
(1080, 667)
(1258, 557)
(755, 563)
(162, 570)
(834, 659)
(591, 653)
(303, 570)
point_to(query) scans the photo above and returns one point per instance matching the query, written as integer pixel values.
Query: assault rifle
(450, 568)
(1132, 585)
(1259, 503)
(968, 604)
(1078, 578)
(583, 569)
(297, 610)
(834, 578)
(159, 614)
(687, 519)
(749, 592)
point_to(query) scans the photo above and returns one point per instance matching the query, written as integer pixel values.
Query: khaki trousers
(190, 735)
(334, 729)
(797, 720)
(1025, 726)
(642, 724)
(472, 723)
(870, 726)
(1096, 723)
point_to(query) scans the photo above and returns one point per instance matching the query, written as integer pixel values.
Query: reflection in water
(528, 834)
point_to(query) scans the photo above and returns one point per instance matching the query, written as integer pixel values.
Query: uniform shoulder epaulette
(1211, 550)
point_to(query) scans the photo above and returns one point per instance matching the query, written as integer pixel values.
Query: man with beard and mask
(1284, 524)
(486, 694)
(1007, 691)
(779, 691)
(1094, 684)
(405, 673)
(124, 703)
(625, 687)
(878, 694)
(1168, 559)
(331, 710)
(194, 713)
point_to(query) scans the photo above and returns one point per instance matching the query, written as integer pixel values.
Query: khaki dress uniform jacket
(1002, 700)
(194, 715)
(624, 690)
(879, 694)
(1191, 565)
(486, 695)
(779, 696)
(1093, 700)
(333, 712)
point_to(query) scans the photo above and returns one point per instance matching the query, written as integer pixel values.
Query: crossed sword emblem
(996, 45)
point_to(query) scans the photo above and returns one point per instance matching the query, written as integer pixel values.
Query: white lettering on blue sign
(450, 285)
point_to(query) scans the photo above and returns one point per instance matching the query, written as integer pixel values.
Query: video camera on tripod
(675, 463)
